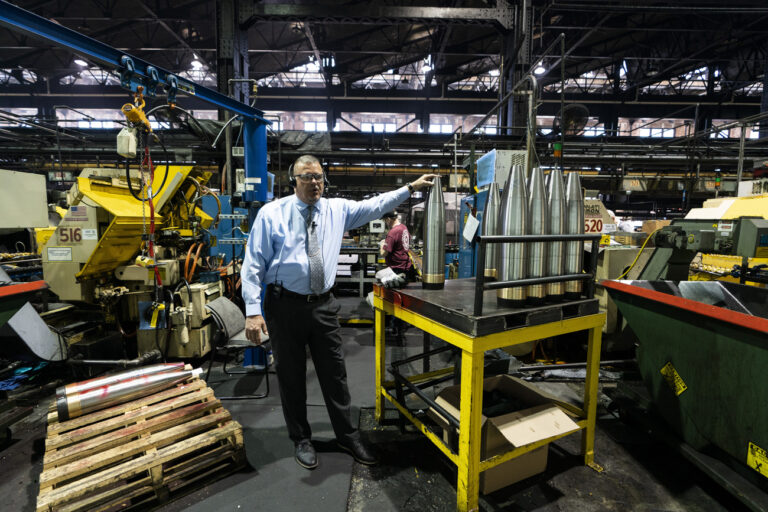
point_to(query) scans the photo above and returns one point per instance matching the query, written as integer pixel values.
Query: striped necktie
(315, 256)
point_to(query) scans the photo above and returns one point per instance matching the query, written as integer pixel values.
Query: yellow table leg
(381, 356)
(470, 413)
(590, 397)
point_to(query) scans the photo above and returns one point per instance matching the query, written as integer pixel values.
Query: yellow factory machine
(136, 258)
(708, 266)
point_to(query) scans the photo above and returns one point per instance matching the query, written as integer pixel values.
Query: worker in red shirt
(395, 247)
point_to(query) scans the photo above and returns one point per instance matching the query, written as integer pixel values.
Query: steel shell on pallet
(79, 387)
(77, 404)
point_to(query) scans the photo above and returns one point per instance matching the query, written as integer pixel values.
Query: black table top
(454, 304)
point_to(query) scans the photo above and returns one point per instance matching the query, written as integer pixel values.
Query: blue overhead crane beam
(140, 72)
(136, 72)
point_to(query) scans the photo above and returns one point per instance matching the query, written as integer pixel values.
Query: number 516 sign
(70, 235)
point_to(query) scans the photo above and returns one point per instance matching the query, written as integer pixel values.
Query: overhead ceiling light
(494, 72)
(196, 64)
(540, 69)
(426, 68)
(81, 63)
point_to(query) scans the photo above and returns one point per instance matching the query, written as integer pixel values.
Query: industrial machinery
(126, 250)
(702, 353)
(99, 255)
(678, 244)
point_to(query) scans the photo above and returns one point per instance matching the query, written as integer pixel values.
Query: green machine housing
(678, 244)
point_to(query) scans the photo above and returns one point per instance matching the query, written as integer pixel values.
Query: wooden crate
(139, 454)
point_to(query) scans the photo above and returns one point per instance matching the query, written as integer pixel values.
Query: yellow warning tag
(605, 240)
(673, 379)
(155, 314)
(153, 322)
(757, 459)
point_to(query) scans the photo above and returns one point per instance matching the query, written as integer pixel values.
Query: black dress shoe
(305, 454)
(360, 451)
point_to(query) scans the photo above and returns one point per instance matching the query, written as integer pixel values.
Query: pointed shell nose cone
(539, 223)
(557, 212)
(512, 262)
(491, 226)
(433, 268)
(574, 225)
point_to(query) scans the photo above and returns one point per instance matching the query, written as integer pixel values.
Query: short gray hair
(306, 160)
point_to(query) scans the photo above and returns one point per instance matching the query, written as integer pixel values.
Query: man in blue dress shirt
(293, 250)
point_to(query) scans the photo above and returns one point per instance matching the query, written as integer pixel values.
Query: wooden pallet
(139, 454)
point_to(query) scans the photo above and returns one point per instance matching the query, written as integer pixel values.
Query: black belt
(304, 298)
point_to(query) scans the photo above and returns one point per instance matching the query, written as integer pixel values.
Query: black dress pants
(293, 324)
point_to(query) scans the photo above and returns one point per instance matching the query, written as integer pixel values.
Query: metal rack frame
(481, 285)
(473, 348)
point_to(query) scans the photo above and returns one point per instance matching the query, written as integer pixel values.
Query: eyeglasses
(307, 178)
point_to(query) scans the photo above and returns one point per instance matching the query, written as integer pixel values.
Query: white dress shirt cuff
(253, 309)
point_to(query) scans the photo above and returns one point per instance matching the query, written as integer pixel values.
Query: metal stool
(230, 336)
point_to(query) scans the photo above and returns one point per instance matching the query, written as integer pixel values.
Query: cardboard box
(650, 226)
(500, 434)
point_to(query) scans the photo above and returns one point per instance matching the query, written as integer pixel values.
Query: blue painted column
(255, 138)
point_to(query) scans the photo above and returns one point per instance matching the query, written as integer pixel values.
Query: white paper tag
(470, 228)
(725, 226)
(59, 254)
(90, 234)
(609, 228)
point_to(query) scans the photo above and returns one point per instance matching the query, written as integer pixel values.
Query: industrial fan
(571, 120)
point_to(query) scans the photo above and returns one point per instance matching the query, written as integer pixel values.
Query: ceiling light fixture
(540, 69)
(81, 63)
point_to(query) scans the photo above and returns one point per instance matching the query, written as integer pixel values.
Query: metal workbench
(448, 314)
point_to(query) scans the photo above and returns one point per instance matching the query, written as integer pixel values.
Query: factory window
(315, 126)
(491, 130)
(390, 127)
(661, 132)
(440, 128)
(97, 125)
(594, 131)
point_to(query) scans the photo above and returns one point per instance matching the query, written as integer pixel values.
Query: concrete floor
(640, 473)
